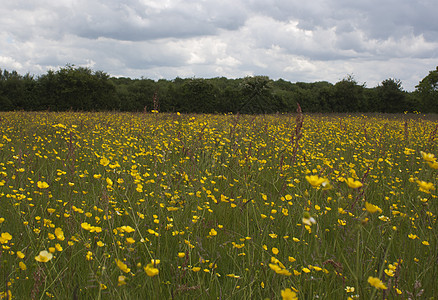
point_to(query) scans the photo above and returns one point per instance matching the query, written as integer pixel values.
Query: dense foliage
(81, 89)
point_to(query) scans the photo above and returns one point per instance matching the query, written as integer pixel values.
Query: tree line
(82, 89)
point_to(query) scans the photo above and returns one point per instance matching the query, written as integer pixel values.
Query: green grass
(173, 178)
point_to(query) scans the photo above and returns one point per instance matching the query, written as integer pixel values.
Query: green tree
(16, 91)
(348, 96)
(257, 92)
(391, 97)
(427, 91)
(198, 95)
(77, 89)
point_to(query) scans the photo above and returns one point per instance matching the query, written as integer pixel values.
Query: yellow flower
(196, 269)
(342, 222)
(155, 262)
(89, 255)
(121, 280)
(275, 251)
(428, 157)
(130, 240)
(20, 254)
(288, 294)
(5, 237)
(90, 228)
(44, 256)
(104, 161)
(58, 247)
(42, 184)
(278, 267)
(150, 270)
(389, 272)
(372, 208)
(315, 180)
(433, 165)
(280, 270)
(425, 186)
(127, 229)
(122, 266)
(59, 234)
(212, 232)
(86, 226)
(181, 254)
(354, 184)
(377, 283)
(412, 236)
(22, 266)
(109, 182)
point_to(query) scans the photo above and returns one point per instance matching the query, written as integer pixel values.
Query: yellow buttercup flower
(122, 266)
(425, 186)
(44, 256)
(315, 180)
(354, 184)
(433, 165)
(127, 229)
(121, 280)
(5, 237)
(42, 184)
(59, 234)
(104, 161)
(371, 208)
(150, 270)
(377, 283)
(130, 240)
(288, 294)
(428, 157)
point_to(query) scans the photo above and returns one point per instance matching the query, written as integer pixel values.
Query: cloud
(290, 39)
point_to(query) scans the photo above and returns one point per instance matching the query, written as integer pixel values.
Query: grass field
(161, 206)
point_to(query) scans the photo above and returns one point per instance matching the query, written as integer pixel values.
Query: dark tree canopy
(82, 89)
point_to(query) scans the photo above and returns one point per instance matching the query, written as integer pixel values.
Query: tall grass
(217, 206)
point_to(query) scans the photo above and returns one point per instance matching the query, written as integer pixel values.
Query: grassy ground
(160, 206)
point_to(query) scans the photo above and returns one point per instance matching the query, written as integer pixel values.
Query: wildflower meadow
(177, 206)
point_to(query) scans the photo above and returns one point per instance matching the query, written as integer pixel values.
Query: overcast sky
(291, 39)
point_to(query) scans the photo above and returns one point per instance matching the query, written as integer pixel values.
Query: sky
(296, 40)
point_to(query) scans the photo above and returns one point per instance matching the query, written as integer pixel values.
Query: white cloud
(290, 39)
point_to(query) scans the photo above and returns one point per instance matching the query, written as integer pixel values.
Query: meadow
(178, 206)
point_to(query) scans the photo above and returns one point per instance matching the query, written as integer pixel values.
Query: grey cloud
(292, 39)
(135, 21)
